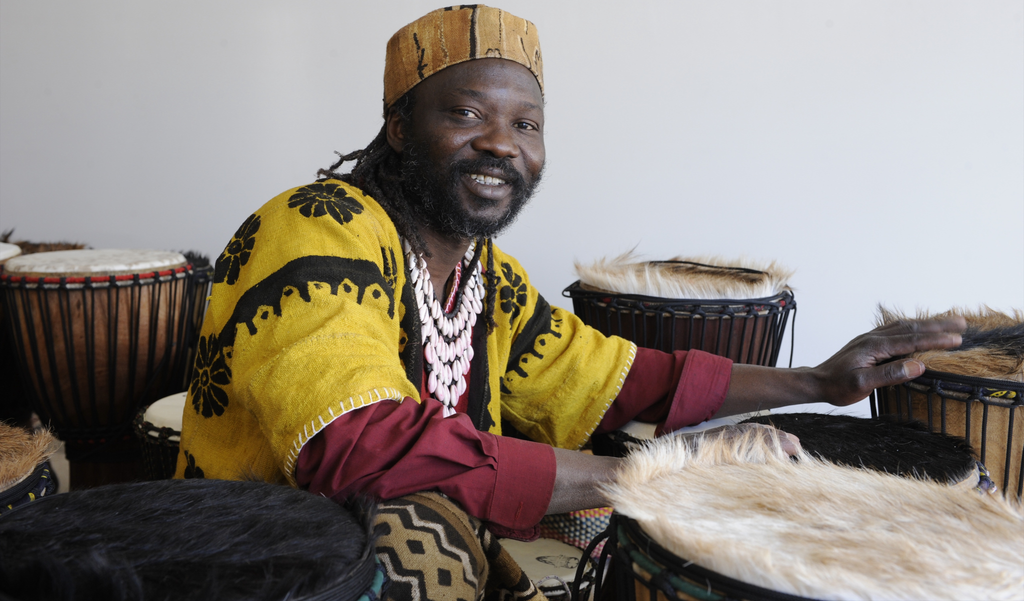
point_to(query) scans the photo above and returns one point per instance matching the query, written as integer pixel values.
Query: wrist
(811, 385)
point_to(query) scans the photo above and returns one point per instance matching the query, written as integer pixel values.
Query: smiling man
(366, 337)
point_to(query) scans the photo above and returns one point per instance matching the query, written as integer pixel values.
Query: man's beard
(432, 190)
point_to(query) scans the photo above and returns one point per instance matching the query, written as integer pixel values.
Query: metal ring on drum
(98, 334)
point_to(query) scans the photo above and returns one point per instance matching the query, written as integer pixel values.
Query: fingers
(950, 323)
(904, 344)
(886, 374)
(790, 444)
(909, 336)
(911, 368)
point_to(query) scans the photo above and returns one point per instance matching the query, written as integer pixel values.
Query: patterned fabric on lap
(431, 549)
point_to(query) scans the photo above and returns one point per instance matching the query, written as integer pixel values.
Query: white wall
(876, 146)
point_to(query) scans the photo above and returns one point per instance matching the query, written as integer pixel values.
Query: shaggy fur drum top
(742, 508)
(993, 344)
(705, 278)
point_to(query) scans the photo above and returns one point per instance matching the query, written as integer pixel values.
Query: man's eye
(525, 125)
(464, 112)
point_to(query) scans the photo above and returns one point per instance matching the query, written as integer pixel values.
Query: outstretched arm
(866, 363)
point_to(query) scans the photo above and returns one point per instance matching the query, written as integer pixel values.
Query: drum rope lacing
(447, 335)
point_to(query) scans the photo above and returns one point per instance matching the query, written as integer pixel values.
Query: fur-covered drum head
(735, 309)
(736, 518)
(98, 334)
(975, 392)
(189, 539)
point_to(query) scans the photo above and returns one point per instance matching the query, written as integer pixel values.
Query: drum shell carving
(94, 349)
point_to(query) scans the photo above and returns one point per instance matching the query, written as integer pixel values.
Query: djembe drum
(732, 310)
(158, 428)
(190, 539)
(735, 518)
(975, 392)
(98, 333)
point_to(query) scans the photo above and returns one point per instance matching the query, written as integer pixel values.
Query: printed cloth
(431, 549)
(312, 316)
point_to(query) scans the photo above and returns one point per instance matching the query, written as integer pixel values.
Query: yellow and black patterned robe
(312, 316)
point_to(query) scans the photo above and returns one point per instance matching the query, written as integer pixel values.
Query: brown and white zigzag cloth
(433, 550)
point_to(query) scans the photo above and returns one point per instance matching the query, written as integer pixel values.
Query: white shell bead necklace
(447, 339)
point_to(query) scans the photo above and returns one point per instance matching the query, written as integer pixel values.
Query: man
(365, 336)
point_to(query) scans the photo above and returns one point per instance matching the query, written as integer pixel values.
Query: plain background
(875, 147)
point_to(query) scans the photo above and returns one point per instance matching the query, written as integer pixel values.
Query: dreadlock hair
(378, 173)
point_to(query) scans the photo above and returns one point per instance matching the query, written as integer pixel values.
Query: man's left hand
(866, 363)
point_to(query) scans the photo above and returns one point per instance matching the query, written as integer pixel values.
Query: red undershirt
(390, 449)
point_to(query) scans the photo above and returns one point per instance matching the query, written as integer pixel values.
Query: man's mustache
(509, 173)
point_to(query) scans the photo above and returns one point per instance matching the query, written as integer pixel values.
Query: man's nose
(498, 140)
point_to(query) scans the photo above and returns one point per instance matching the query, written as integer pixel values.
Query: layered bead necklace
(447, 332)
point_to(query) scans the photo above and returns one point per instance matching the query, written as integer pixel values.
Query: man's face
(473, 151)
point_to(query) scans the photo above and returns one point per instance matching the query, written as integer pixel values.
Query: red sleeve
(676, 389)
(391, 449)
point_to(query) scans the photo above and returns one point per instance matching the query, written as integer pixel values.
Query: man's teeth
(486, 179)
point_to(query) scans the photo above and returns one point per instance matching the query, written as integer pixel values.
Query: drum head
(883, 444)
(93, 262)
(742, 508)
(8, 251)
(166, 413)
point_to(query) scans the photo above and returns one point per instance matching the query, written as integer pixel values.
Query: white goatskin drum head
(166, 413)
(98, 262)
(549, 563)
(8, 251)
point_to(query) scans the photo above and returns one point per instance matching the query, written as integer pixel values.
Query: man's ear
(395, 130)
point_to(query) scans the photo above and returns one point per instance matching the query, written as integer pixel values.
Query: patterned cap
(452, 35)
